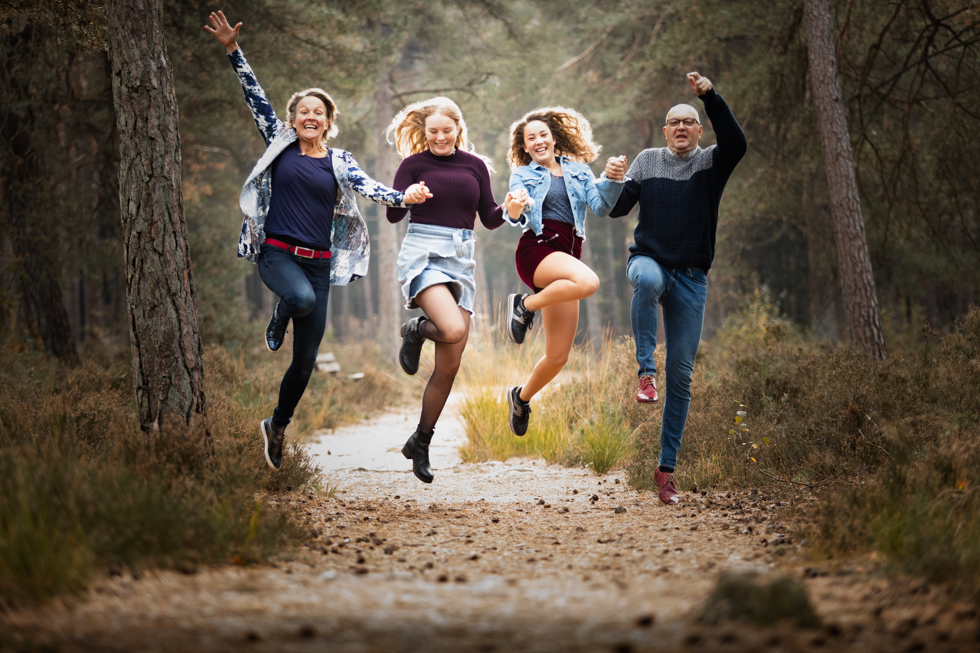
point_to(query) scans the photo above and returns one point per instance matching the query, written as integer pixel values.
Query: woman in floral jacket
(309, 234)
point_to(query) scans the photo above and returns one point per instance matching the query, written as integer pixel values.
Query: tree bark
(389, 293)
(27, 181)
(168, 366)
(612, 283)
(857, 278)
(593, 319)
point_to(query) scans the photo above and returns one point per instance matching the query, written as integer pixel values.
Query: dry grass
(83, 489)
(574, 420)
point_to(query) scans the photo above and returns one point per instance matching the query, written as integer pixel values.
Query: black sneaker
(520, 319)
(412, 341)
(275, 333)
(273, 438)
(520, 411)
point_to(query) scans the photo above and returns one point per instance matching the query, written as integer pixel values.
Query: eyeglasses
(688, 122)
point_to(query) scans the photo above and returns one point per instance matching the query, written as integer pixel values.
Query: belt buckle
(299, 252)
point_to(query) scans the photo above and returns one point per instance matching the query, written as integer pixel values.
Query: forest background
(891, 443)
(908, 71)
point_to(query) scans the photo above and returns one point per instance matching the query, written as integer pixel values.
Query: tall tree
(34, 88)
(168, 366)
(857, 278)
(389, 292)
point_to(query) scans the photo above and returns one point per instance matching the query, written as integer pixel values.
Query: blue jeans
(682, 293)
(303, 286)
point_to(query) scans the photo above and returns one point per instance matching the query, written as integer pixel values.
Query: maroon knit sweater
(460, 187)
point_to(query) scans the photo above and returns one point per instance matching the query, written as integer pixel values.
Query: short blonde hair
(328, 102)
(407, 130)
(571, 131)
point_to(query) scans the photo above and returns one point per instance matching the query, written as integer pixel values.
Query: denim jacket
(584, 189)
(350, 249)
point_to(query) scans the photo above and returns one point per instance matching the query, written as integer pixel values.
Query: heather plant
(83, 489)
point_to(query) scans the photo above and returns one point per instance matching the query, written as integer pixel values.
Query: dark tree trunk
(857, 279)
(593, 319)
(168, 366)
(28, 143)
(612, 284)
(386, 254)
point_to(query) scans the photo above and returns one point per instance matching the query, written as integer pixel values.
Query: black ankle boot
(275, 333)
(412, 341)
(417, 450)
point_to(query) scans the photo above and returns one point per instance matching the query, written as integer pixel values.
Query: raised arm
(258, 103)
(728, 133)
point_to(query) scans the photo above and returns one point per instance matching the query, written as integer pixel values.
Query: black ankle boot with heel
(417, 450)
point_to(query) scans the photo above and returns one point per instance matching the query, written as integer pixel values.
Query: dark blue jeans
(303, 285)
(682, 293)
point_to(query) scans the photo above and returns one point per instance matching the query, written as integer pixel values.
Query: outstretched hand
(700, 85)
(616, 168)
(223, 31)
(417, 193)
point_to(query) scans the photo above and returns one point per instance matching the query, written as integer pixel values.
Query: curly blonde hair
(571, 131)
(328, 102)
(407, 130)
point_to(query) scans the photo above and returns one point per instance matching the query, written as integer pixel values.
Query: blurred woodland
(908, 71)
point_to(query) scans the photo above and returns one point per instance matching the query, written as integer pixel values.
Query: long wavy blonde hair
(571, 131)
(407, 129)
(328, 102)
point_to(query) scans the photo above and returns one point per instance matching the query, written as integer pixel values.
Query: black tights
(448, 356)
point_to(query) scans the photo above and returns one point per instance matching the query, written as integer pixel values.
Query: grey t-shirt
(556, 205)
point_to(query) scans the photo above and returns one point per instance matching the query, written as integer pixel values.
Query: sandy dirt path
(512, 556)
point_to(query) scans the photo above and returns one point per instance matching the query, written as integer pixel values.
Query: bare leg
(560, 325)
(563, 278)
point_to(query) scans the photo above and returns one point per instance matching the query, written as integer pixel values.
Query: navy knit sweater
(679, 194)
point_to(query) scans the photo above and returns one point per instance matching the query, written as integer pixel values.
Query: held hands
(225, 33)
(417, 193)
(700, 85)
(616, 168)
(515, 202)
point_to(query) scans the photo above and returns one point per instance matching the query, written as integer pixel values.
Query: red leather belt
(305, 252)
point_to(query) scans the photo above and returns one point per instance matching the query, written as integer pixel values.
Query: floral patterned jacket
(350, 250)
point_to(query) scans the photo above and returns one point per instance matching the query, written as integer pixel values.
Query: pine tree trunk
(168, 365)
(611, 284)
(31, 80)
(386, 254)
(593, 319)
(857, 279)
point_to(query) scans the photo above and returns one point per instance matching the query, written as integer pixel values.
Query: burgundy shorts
(556, 236)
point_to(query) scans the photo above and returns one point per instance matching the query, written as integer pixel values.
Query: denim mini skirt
(432, 255)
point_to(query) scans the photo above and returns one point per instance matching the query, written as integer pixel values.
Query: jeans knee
(300, 304)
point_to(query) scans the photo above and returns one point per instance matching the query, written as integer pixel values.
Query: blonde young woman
(550, 150)
(306, 236)
(435, 265)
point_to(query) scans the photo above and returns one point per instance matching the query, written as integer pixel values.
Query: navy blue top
(679, 194)
(556, 205)
(301, 210)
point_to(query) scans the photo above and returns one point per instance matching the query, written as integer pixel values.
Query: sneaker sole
(510, 418)
(265, 447)
(510, 319)
(647, 401)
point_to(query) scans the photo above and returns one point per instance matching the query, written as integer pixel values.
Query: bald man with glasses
(678, 188)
